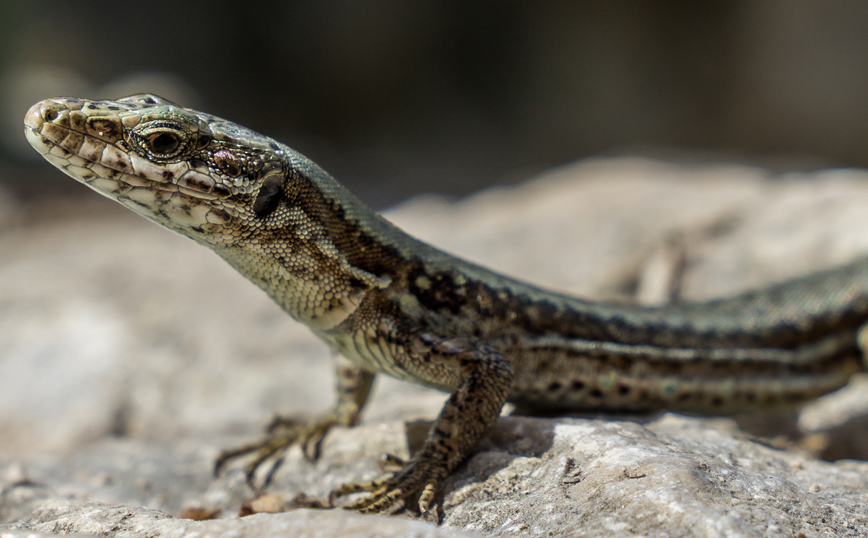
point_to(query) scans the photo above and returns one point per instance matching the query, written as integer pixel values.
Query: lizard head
(202, 176)
(266, 209)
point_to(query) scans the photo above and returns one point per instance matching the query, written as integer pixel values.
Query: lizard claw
(391, 463)
(390, 493)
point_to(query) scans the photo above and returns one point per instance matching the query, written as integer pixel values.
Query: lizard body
(389, 303)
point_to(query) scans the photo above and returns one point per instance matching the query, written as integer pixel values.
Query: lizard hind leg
(466, 416)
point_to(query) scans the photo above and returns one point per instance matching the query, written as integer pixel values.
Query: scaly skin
(388, 303)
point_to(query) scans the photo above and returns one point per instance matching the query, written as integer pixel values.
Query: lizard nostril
(51, 114)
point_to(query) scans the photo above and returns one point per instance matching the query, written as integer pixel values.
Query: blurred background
(399, 97)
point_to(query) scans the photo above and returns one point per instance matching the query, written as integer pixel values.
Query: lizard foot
(419, 479)
(281, 434)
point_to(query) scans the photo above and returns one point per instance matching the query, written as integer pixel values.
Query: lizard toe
(281, 434)
(418, 481)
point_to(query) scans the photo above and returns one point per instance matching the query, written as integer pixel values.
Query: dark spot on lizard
(221, 190)
(104, 128)
(140, 204)
(195, 182)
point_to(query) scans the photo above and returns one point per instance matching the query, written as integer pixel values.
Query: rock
(131, 357)
(96, 519)
(674, 476)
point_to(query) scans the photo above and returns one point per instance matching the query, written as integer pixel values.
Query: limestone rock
(129, 357)
(96, 519)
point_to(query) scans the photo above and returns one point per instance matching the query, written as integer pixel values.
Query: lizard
(388, 303)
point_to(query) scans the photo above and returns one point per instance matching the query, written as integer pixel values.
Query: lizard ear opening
(269, 195)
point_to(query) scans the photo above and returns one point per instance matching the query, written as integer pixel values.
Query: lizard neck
(327, 251)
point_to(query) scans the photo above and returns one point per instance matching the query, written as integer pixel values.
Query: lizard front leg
(353, 387)
(484, 380)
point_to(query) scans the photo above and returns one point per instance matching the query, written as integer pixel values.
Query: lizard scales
(389, 303)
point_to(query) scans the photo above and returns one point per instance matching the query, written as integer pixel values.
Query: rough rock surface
(130, 356)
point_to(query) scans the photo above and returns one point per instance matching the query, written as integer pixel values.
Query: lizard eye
(164, 143)
(160, 141)
(269, 196)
